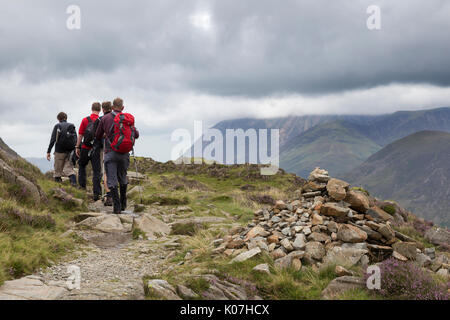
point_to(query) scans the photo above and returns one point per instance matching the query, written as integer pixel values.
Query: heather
(406, 280)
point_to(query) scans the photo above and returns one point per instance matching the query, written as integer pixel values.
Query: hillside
(206, 231)
(333, 145)
(415, 171)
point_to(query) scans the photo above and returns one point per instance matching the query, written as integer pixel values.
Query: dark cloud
(254, 48)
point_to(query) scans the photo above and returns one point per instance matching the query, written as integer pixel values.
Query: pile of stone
(330, 223)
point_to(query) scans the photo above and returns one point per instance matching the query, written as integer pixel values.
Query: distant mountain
(339, 141)
(41, 163)
(335, 146)
(414, 171)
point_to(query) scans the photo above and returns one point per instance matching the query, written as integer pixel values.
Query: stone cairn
(330, 223)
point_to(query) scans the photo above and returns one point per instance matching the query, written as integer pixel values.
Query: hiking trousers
(63, 166)
(116, 166)
(92, 156)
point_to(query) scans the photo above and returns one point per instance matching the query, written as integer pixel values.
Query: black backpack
(89, 133)
(66, 136)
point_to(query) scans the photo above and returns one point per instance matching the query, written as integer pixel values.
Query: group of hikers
(106, 142)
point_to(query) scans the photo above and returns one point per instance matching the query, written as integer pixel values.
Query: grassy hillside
(415, 171)
(334, 145)
(29, 231)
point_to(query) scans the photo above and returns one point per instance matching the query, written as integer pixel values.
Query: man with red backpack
(88, 149)
(120, 133)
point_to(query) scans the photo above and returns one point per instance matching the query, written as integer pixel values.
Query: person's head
(62, 116)
(117, 104)
(96, 107)
(106, 107)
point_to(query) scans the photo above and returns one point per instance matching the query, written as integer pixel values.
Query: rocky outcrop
(31, 288)
(27, 188)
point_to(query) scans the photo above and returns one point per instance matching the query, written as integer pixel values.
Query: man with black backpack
(87, 149)
(64, 138)
(120, 133)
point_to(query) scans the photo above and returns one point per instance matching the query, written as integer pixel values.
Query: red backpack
(124, 133)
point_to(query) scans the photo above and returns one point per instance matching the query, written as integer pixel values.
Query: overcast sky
(174, 62)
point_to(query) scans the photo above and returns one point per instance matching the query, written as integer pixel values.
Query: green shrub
(389, 209)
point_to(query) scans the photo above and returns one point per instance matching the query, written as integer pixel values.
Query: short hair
(106, 106)
(62, 116)
(96, 106)
(118, 103)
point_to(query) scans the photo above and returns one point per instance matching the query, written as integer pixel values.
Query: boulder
(287, 244)
(349, 233)
(438, 236)
(315, 250)
(337, 189)
(358, 201)
(247, 255)
(378, 213)
(254, 232)
(161, 289)
(319, 237)
(334, 210)
(30, 288)
(319, 175)
(344, 256)
(12, 177)
(186, 293)
(341, 285)
(299, 242)
(110, 224)
(151, 226)
(104, 223)
(387, 232)
(316, 219)
(65, 197)
(262, 268)
(407, 249)
(341, 271)
(277, 253)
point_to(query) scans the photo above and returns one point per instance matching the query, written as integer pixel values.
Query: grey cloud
(256, 48)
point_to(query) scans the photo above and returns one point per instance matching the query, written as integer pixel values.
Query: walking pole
(137, 172)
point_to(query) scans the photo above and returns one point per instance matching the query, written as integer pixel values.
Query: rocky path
(111, 264)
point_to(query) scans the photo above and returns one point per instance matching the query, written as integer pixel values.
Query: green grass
(389, 209)
(28, 240)
(30, 232)
(413, 233)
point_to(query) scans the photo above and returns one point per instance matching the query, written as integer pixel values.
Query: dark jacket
(104, 130)
(54, 138)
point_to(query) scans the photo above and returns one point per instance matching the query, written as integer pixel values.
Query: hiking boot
(123, 197)
(73, 180)
(96, 197)
(116, 200)
(58, 179)
(108, 200)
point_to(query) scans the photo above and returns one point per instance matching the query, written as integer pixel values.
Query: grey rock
(246, 255)
(161, 289)
(341, 285)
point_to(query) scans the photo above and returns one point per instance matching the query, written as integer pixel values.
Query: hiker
(87, 149)
(64, 138)
(106, 108)
(120, 134)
